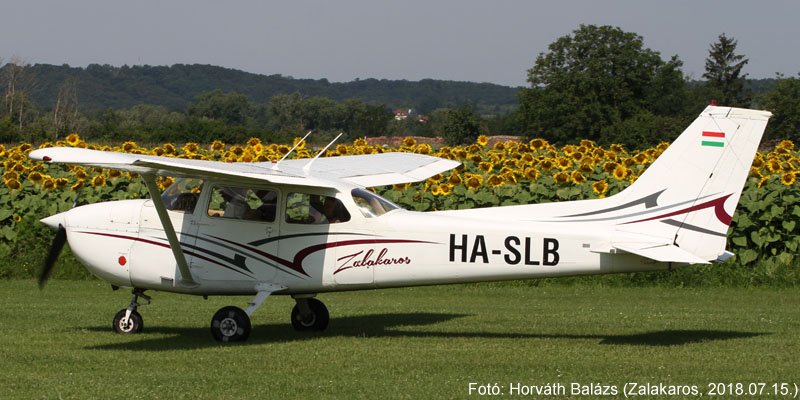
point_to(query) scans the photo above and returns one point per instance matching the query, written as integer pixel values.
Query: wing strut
(275, 167)
(169, 230)
(307, 167)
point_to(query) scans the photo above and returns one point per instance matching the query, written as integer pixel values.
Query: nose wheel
(128, 320)
(127, 325)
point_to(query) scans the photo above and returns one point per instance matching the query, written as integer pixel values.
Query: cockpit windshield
(182, 195)
(372, 205)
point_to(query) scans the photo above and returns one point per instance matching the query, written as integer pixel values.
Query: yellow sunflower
(169, 148)
(455, 179)
(538, 143)
(577, 177)
(473, 181)
(561, 178)
(128, 146)
(510, 177)
(48, 183)
(217, 145)
(409, 142)
(423, 148)
(13, 184)
(61, 182)
(547, 164)
(11, 175)
(621, 172)
(191, 148)
(773, 165)
(495, 180)
(253, 141)
(600, 187)
(563, 163)
(401, 186)
(483, 140)
(788, 178)
(237, 150)
(78, 185)
(640, 158)
(532, 174)
(445, 189)
(485, 166)
(35, 177)
(98, 180)
(786, 144)
(763, 181)
(73, 139)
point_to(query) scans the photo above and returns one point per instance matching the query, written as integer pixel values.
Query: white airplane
(303, 227)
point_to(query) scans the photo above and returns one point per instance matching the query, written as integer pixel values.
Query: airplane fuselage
(123, 243)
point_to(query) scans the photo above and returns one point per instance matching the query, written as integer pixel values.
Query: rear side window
(304, 208)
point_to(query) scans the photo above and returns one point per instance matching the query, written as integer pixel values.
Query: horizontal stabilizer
(660, 252)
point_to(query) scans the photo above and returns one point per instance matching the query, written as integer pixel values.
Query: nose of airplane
(55, 220)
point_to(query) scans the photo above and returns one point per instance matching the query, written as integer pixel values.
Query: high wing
(373, 169)
(362, 170)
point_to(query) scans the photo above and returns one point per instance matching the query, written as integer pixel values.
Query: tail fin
(680, 208)
(691, 191)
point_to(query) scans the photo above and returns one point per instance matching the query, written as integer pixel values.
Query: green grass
(404, 343)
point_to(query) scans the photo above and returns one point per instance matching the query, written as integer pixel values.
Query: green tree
(232, 108)
(595, 78)
(724, 73)
(461, 126)
(784, 102)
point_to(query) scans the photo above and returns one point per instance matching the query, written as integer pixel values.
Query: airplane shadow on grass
(393, 325)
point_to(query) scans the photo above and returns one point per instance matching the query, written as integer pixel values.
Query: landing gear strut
(128, 320)
(232, 324)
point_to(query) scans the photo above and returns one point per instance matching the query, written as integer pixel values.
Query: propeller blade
(52, 256)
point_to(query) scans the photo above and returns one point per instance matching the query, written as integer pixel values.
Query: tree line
(598, 83)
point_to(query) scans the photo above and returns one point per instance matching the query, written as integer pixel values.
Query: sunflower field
(763, 232)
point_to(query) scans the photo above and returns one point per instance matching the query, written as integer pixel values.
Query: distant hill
(174, 87)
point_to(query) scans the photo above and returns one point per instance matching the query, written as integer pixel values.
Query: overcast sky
(479, 41)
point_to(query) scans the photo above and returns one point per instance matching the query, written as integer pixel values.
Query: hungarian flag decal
(713, 139)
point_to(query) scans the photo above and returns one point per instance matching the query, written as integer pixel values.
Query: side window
(243, 203)
(370, 204)
(182, 195)
(304, 208)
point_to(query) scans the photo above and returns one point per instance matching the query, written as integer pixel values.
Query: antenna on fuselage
(307, 167)
(275, 167)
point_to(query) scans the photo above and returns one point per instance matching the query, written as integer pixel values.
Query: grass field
(404, 343)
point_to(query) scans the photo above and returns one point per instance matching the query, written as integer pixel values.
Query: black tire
(316, 321)
(230, 324)
(135, 323)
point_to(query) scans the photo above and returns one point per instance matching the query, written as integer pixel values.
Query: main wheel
(230, 324)
(316, 320)
(134, 324)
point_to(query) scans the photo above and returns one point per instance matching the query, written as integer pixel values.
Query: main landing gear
(230, 323)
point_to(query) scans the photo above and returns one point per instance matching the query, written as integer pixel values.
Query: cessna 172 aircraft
(307, 226)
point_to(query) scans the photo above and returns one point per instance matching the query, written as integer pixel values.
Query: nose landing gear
(128, 320)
